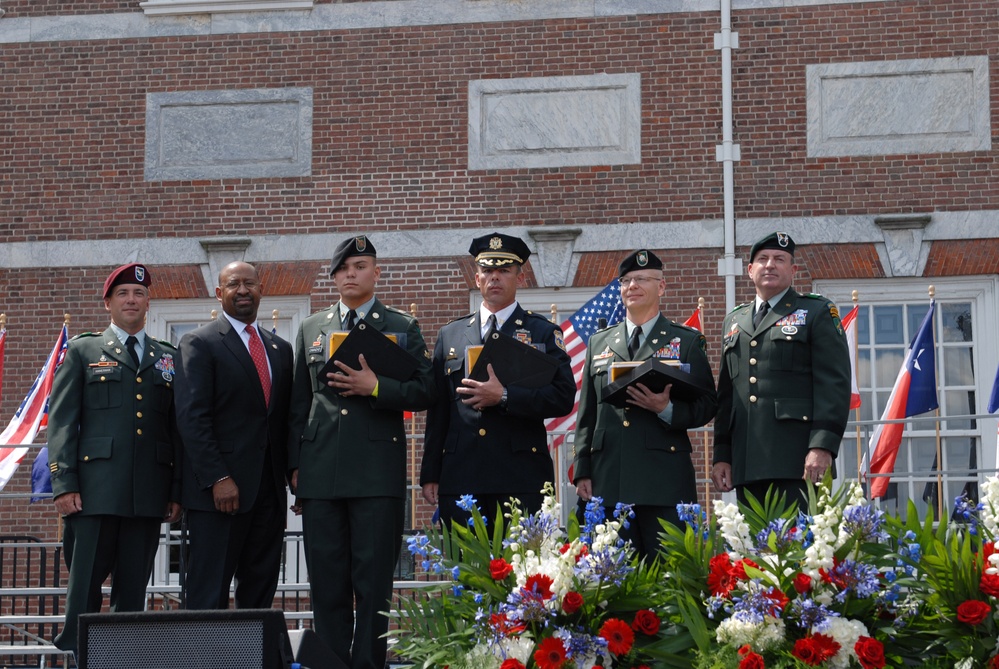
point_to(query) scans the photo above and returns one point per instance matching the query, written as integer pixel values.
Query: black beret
(640, 259)
(348, 248)
(497, 250)
(130, 273)
(780, 241)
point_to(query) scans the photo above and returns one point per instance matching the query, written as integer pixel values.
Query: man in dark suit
(784, 384)
(483, 438)
(347, 451)
(114, 453)
(640, 454)
(233, 386)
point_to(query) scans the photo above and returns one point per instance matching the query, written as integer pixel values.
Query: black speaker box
(224, 639)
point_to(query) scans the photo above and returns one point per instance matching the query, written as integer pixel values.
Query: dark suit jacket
(347, 447)
(783, 388)
(112, 430)
(496, 451)
(226, 428)
(630, 454)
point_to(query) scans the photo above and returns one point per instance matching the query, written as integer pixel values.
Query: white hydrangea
(846, 633)
(734, 529)
(761, 636)
(490, 655)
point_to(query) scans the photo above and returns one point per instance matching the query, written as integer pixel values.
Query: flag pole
(553, 310)
(59, 521)
(411, 444)
(856, 412)
(932, 292)
(704, 435)
(274, 320)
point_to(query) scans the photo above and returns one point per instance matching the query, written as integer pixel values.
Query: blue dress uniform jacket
(783, 388)
(112, 429)
(347, 447)
(629, 453)
(495, 451)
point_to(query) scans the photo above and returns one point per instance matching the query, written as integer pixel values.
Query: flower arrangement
(839, 586)
(769, 587)
(534, 595)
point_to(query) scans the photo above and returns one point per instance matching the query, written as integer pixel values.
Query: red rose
(989, 585)
(746, 649)
(972, 611)
(618, 635)
(572, 602)
(512, 663)
(646, 621)
(870, 653)
(550, 654)
(815, 650)
(802, 583)
(500, 569)
(752, 661)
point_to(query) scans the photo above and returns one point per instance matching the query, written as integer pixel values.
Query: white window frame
(980, 291)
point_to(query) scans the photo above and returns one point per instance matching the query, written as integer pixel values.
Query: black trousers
(246, 547)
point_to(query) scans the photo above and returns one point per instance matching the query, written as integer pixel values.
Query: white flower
(966, 663)
(825, 534)
(845, 632)
(734, 529)
(990, 504)
(760, 636)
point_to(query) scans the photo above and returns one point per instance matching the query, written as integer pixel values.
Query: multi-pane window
(958, 448)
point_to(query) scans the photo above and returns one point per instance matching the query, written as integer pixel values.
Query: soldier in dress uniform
(114, 453)
(640, 454)
(483, 438)
(784, 384)
(347, 453)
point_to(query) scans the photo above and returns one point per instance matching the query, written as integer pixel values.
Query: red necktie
(260, 360)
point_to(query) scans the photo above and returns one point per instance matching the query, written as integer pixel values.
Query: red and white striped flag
(850, 328)
(32, 415)
(603, 310)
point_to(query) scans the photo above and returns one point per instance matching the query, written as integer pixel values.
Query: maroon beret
(131, 273)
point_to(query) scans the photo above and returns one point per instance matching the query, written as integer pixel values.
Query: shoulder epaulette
(165, 344)
(816, 296)
(461, 318)
(688, 328)
(85, 334)
(740, 306)
(398, 311)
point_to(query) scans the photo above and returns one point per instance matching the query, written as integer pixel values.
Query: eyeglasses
(625, 281)
(234, 285)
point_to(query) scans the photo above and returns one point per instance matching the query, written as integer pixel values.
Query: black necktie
(490, 326)
(130, 345)
(634, 343)
(351, 319)
(761, 313)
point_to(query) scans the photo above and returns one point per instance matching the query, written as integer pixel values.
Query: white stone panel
(229, 134)
(554, 122)
(938, 105)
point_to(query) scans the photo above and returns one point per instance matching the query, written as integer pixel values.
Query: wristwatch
(504, 398)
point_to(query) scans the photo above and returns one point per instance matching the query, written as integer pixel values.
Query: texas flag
(850, 328)
(915, 392)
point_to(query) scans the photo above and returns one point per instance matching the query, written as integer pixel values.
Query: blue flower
(809, 615)
(864, 522)
(466, 503)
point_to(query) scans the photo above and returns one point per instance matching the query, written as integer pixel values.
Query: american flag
(603, 310)
(32, 415)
